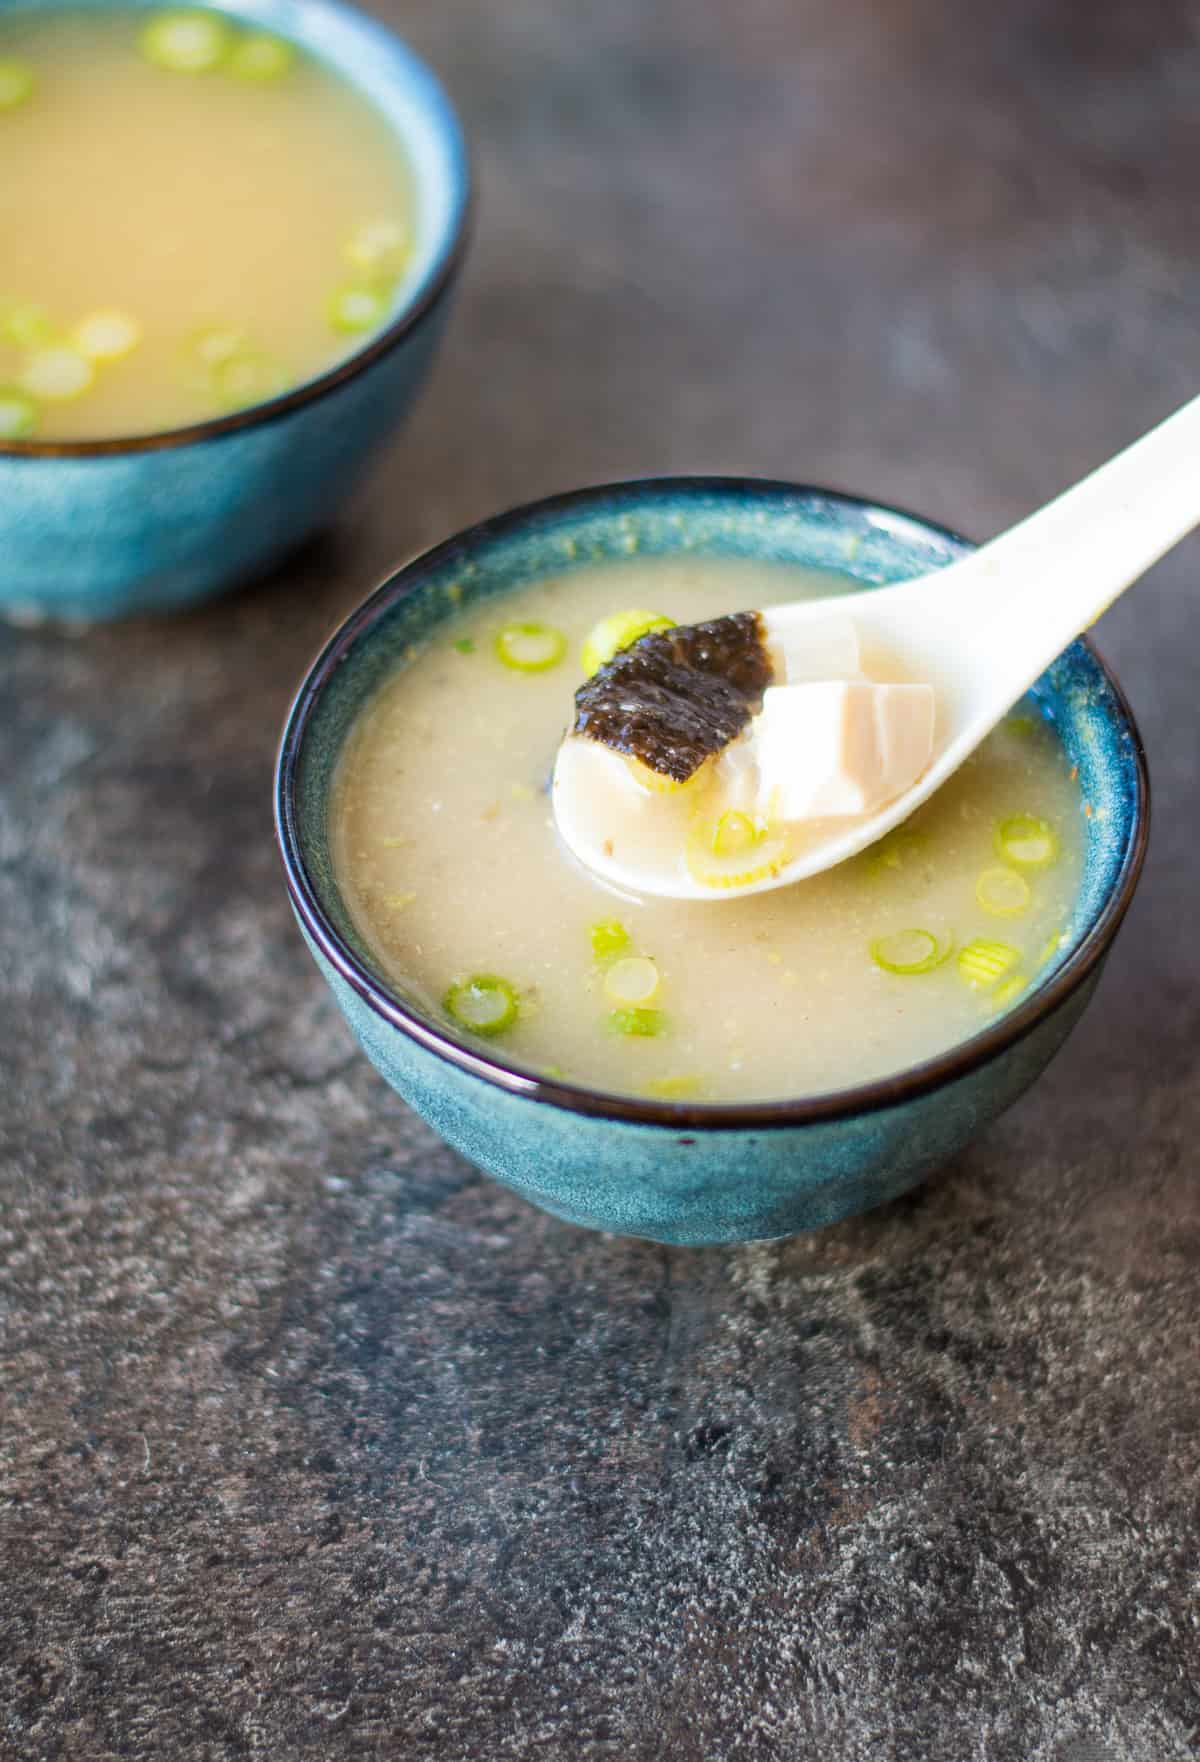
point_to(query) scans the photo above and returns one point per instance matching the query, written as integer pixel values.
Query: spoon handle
(1017, 602)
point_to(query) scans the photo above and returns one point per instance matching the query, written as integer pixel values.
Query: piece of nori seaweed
(677, 696)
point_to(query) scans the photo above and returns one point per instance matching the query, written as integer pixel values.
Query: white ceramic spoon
(979, 631)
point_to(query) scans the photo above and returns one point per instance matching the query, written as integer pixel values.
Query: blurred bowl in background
(104, 528)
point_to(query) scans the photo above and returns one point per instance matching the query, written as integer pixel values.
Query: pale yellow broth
(446, 850)
(191, 202)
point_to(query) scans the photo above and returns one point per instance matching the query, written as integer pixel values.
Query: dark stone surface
(315, 1444)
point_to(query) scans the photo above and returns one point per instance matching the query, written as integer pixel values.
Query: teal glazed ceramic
(101, 529)
(691, 1173)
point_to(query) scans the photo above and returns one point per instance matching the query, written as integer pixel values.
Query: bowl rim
(443, 268)
(881, 1093)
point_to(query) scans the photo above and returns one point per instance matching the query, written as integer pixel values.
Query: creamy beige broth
(446, 849)
(220, 213)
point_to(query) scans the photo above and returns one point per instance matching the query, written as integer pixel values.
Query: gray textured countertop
(317, 1445)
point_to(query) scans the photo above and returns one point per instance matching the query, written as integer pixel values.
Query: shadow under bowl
(692, 1173)
(103, 529)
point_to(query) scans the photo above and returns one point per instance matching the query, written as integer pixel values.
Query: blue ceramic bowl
(690, 1173)
(99, 529)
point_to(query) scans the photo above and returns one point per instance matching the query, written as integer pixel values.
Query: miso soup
(446, 849)
(194, 216)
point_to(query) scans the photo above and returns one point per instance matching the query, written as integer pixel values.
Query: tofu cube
(838, 748)
(817, 648)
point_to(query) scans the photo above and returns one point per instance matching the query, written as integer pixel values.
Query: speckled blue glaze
(692, 1173)
(92, 530)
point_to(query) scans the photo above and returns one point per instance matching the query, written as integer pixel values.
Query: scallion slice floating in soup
(185, 41)
(1026, 841)
(617, 632)
(248, 378)
(57, 374)
(378, 248)
(106, 335)
(639, 1024)
(1050, 947)
(25, 324)
(609, 939)
(675, 1088)
(529, 647)
(1010, 988)
(1003, 892)
(18, 413)
(982, 962)
(910, 951)
(632, 981)
(352, 309)
(212, 344)
(483, 1003)
(16, 82)
(260, 58)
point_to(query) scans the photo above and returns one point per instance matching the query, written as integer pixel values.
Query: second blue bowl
(101, 529)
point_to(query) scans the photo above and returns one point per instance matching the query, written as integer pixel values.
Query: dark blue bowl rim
(445, 267)
(886, 1092)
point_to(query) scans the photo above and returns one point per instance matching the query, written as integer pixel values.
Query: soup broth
(194, 216)
(446, 849)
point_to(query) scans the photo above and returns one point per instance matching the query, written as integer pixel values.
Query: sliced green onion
(1050, 947)
(251, 378)
(640, 1024)
(982, 962)
(675, 1088)
(610, 938)
(1003, 892)
(617, 632)
(633, 980)
(57, 374)
(260, 58)
(483, 1003)
(1026, 841)
(213, 344)
(721, 853)
(530, 647)
(16, 82)
(909, 951)
(734, 833)
(106, 335)
(465, 645)
(353, 309)
(25, 324)
(18, 414)
(185, 41)
(658, 783)
(1022, 726)
(378, 247)
(1011, 987)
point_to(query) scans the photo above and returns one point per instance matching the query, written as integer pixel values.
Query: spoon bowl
(979, 632)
